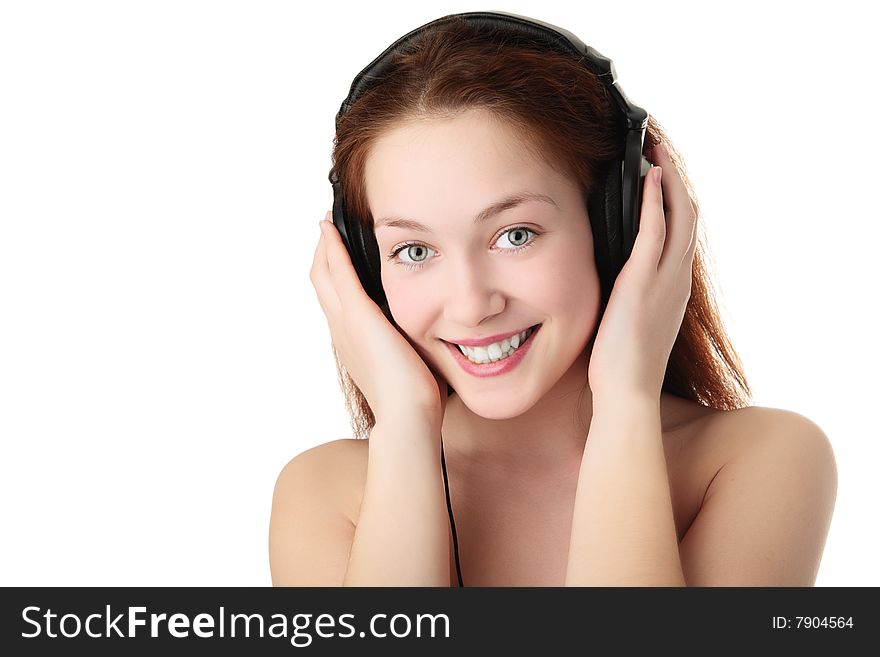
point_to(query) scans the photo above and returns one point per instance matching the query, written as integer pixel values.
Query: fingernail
(328, 215)
(658, 172)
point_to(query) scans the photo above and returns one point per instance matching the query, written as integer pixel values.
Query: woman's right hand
(386, 368)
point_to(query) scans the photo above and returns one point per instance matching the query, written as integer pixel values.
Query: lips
(493, 368)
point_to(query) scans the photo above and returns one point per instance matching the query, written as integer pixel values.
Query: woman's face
(526, 263)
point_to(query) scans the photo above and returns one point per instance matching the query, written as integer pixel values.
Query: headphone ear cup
(366, 240)
(605, 209)
(362, 248)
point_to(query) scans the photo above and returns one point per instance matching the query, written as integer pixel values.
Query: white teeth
(495, 351)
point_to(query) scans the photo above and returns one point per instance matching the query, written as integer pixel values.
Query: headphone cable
(449, 508)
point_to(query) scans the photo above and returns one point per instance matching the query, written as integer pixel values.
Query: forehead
(444, 162)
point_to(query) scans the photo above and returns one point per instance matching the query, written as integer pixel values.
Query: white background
(163, 167)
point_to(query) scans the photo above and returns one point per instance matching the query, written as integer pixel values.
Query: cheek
(565, 280)
(409, 303)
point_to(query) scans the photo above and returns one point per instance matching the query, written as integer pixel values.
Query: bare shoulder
(312, 526)
(767, 508)
(737, 433)
(337, 468)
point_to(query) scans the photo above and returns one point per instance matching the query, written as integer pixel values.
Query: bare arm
(763, 521)
(623, 530)
(402, 534)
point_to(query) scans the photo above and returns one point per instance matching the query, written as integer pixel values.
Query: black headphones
(613, 211)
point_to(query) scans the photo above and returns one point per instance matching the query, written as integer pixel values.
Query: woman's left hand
(649, 297)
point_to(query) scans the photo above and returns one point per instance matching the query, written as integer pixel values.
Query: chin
(489, 408)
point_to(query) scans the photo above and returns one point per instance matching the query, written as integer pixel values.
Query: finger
(687, 260)
(319, 258)
(680, 213)
(652, 226)
(323, 282)
(345, 279)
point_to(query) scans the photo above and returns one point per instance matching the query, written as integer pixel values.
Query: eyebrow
(507, 203)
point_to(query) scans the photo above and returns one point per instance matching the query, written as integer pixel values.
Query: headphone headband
(545, 34)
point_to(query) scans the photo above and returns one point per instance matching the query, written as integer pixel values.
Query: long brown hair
(565, 114)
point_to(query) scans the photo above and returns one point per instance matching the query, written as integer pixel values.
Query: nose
(473, 294)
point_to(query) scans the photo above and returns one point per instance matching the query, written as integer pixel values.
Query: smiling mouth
(496, 351)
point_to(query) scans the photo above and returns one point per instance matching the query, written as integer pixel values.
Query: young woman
(583, 434)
